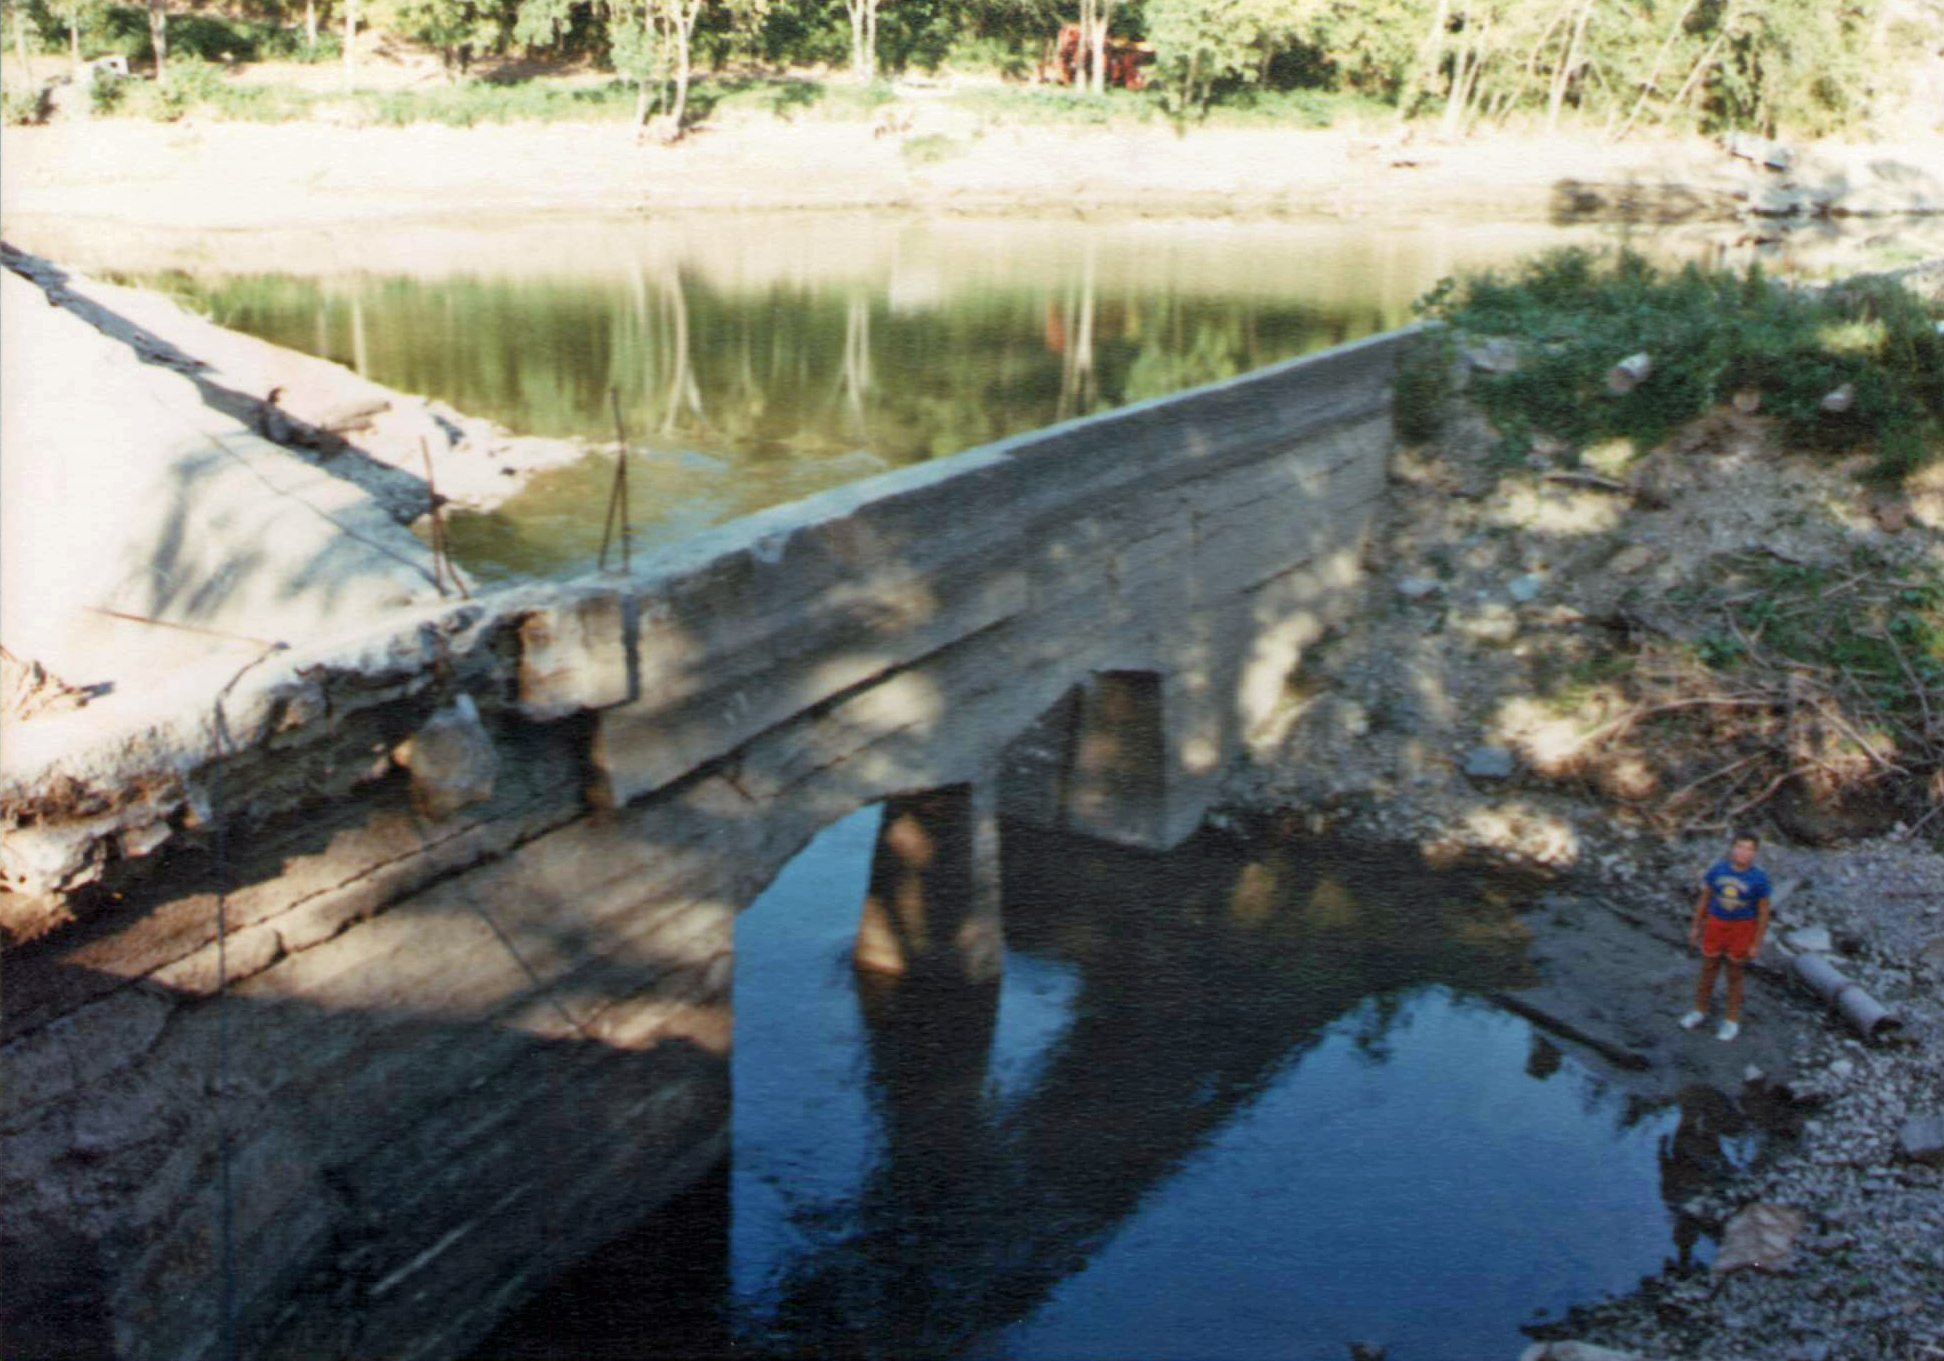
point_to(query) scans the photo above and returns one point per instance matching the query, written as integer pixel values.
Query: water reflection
(1219, 1106)
(1236, 1103)
(756, 366)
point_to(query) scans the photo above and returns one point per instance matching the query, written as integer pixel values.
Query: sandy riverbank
(216, 176)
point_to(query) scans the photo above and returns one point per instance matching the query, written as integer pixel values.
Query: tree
(452, 26)
(158, 20)
(1095, 15)
(1203, 44)
(17, 12)
(864, 26)
(73, 13)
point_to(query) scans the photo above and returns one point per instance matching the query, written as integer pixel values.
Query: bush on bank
(1712, 335)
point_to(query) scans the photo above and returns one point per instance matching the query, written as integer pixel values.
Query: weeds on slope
(1856, 365)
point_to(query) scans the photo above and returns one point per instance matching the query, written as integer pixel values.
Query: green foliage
(1710, 333)
(1424, 388)
(1257, 105)
(1800, 65)
(1204, 47)
(470, 102)
(931, 149)
(1056, 105)
(105, 94)
(20, 106)
(1880, 627)
(447, 25)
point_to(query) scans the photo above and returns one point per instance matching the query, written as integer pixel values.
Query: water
(1218, 1107)
(759, 358)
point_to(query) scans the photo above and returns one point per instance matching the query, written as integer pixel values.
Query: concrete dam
(374, 973)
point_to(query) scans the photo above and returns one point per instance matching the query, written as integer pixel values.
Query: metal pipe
(1868, 1017)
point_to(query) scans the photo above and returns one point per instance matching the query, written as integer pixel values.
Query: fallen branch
(1714, 775)
(1887, 766)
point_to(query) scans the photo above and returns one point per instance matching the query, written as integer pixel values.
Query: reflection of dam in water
(1221, 1104)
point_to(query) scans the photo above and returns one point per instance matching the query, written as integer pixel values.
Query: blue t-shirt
(1734, 892)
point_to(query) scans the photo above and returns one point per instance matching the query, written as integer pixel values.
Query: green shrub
(106, 93)
(1575, 313)
(18, 107)
(1057, 105)
(932, 148)
(1424, 388)
(990, 55)
(469, 102)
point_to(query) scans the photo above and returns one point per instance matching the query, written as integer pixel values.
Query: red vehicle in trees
(1068, 60)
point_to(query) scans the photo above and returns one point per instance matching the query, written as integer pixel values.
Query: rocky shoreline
(1426, 729)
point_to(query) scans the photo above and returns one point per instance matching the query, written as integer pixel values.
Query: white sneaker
(1693, 1019)
(1728, 1031)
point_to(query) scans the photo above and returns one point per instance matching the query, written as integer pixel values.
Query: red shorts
(1732, 938)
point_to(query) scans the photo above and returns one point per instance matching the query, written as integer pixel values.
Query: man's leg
(1734, 988)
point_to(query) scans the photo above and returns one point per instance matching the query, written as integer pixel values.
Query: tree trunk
(856, 9)
(74, 38)
(1103, 13)
(350, 43)
(1430, 58)
(20, 42)
(158, 17)
(870, 39)
(1653, 72)
(1564, 75)
(310, 25)
(1461, 70)
(684, 25)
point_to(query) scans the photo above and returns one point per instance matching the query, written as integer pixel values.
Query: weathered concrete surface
(438, 1033)
(124, 489)
(150, 476)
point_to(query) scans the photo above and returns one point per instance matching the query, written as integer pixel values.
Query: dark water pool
(1219, 1107)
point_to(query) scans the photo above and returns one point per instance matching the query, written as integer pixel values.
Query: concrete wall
(477, 1014)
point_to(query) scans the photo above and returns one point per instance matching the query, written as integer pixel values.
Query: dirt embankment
(923, 152)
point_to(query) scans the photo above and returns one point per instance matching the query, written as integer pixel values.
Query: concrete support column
(933, 903)
(1116, 786)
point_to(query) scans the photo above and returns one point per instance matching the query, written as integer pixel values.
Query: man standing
(1730, 920)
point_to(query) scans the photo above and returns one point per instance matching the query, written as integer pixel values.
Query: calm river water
(1221, 1105)
(759, 358)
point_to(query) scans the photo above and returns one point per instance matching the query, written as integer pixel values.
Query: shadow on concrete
(354, 1179)
(404, 494)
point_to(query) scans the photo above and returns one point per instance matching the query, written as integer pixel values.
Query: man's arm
(1701, 913)
(1761, 926)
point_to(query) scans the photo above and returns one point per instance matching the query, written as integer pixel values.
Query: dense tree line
(1801, 67)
